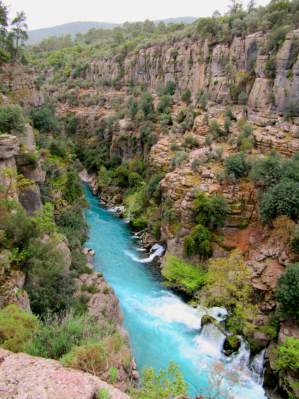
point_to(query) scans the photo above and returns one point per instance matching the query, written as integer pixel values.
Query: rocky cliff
(23, 376)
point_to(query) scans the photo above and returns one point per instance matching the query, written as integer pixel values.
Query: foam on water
(156, 250)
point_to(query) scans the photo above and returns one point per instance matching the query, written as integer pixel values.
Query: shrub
(227, 125)
(291, 111)
(287, 355)
(270, 69)
(17, 326)
(89, 358)
(228, 112)
(208, 140)
(190, 277)
(178, 157)
(170, 87)
(195, 164)
(282, 199)
(153, 138)
(199, 241)
(287, 293)
(206, 117)
(215, 129)
(243, 98)
(135, 179)
(164, 104)
(43, 118)
(268, 170)
(32, 159)
(60, 333)
(236, 164)
(12, 120)
(74, 188)
(210, 211)
(105, 290)
(186, 96)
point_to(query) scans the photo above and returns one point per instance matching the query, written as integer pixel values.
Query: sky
(45, 14)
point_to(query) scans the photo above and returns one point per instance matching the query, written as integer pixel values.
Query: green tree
(186, 96)
(236, 164)
(190, 277)
(210, 211)
(268, 170)
(282, 199)
(19, 27)
(168, 383)
(12, 120)
(198, 241)
(287, 293)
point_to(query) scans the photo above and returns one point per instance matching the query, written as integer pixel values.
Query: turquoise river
(161, 325)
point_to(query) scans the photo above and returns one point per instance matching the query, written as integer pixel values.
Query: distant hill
(35, 36)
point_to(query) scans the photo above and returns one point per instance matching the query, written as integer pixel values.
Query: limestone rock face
(24, 376)
(9, 146)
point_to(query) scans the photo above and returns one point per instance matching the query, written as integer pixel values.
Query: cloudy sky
(45, 14)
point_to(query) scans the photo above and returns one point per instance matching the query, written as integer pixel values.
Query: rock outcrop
(24, 376)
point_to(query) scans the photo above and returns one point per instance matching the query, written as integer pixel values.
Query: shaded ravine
(161, 326)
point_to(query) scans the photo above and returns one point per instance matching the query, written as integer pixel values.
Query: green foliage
(210, 211)
(198, 241)
(17, 326)
(227, 125)
(215, 129)
(189, 277)
(12, 120)
(236, 164)
(291, 111)
(168, 383)
(58, 334)
(32, 159)
(243, 98)
(270, 69)
(135, 179)
(268, 170)
(282, 199)
(72, 224)
(178, 157)
(44, 221)
(170, 87)
(43, 118)
(164, 105)
(74, 188)
(195, 165)
(186, 96)
(287, 293)
(287, 355)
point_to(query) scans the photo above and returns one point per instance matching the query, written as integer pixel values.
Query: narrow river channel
(161, 325)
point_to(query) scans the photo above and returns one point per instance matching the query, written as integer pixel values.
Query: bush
(89, 358)
(170, 88)
(282, 199)
(164, 104)
(236, 164)
(268, 170)
(215, 129)
(243, 98)
(291, 111)
(287, 293)
(186, 96)
(227, 125)
(210, 211)
(190, 278)
(74, 188)
(270, 69)
(195, 165)
(135, 179)
(287, 355)
(32, 159)
(16, 327)
(199, 241)
(58, 334)
(43, 118)
(178, 157)
(12, 120)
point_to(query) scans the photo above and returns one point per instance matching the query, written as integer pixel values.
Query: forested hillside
(192, 131)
